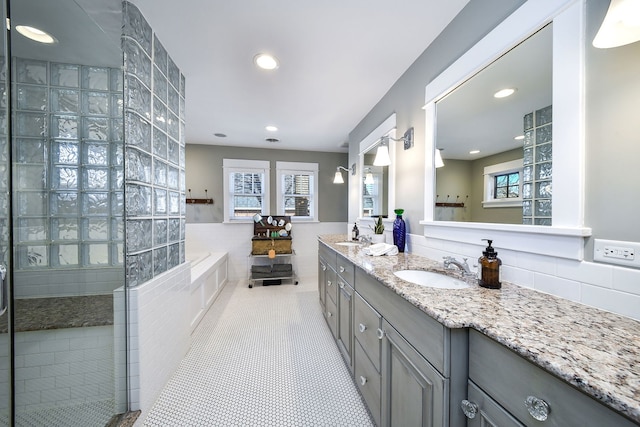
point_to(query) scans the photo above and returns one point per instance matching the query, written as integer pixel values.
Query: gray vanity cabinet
(422, 365)
(528, 393)
(322, 277)
(344, 332)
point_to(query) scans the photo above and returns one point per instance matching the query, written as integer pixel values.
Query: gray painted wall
(612, 91)
(204, 171)
(406, 99)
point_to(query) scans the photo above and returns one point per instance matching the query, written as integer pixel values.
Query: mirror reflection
(497, 147)
(375, 186)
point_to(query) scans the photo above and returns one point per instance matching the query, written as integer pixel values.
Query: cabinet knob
(363, 380)
(324, 267)
(329, 314)
(469, 409)
(328, 282)
(362, 327)
(341, 284)
(341, 268)
(538, 408)
(380, 333)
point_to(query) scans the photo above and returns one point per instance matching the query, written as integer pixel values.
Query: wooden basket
(262, 245)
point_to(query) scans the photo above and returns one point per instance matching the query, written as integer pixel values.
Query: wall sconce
(337, 178)
(368, 178)
(382, 155)
(438, 163)
(620, 26)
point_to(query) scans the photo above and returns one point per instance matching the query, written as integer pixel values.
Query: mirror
(375, 186)
(480, 135)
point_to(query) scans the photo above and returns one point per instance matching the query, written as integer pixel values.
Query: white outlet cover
(601, 248)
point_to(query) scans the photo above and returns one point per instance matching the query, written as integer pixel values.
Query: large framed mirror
(376, 182)
(559, 26)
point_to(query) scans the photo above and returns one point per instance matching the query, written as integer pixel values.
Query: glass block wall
(154, 105)
(537, 172)
(68, 180)
(4, 168)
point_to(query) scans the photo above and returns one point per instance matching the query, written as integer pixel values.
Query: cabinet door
(483, 411)
(331, 284)
(345, 321)
(322, 285)
(413, 392)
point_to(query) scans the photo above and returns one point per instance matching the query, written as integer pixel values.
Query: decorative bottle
(489, 268)
(399, 230)
(355, 232)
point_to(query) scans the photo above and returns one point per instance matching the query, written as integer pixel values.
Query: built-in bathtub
(209, 273)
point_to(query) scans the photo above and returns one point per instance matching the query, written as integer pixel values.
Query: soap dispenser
(355, 232)
(489, 268)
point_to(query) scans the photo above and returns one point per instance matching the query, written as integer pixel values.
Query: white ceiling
(337, 60)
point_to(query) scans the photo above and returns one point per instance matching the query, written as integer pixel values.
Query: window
(503, 185)
(246, 184)
(507, 186)
(297, 190)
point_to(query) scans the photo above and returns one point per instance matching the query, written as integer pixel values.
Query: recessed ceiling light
(519, 138)
(220, 135)
(265, 61)
(504, 93)
(474, 151)
(35, 34)
(271, 128)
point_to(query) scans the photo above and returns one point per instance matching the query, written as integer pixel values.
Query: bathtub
(209, 274)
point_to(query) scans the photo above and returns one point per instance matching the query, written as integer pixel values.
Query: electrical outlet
(617, 252)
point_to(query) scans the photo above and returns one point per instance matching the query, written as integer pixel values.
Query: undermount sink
(348, 243)
(431, 279)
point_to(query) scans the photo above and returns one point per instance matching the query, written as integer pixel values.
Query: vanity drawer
(328, 254)
(367, 323)
(331, 316)
(367, 379)
(510, 380)
(345, 269)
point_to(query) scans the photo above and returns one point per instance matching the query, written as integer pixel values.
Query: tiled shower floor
(262, 357)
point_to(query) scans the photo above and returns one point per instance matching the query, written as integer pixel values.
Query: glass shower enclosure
(62, 327)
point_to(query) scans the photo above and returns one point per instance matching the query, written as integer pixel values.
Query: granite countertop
(595, 351)
(34, 314)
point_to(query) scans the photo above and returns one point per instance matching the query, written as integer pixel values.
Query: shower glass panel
(67, 203)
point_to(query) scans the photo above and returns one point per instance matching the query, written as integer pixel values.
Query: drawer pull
(328, 282)
(469, 409)
(362, 327)
(363, 380)
(324, 267)
(341, 268)
(380, 333)
(538, 408)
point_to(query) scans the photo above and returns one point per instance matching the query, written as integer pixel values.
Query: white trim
(568, 128)
(286, 168)
(241, 165)
(490, 172)
(386, 128)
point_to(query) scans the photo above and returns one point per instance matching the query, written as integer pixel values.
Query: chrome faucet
(462, 265)
(365, 239)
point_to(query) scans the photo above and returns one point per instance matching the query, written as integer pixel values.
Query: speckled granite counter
(34, 314)
(596, 351)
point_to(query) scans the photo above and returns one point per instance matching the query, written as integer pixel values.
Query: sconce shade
(337, 179)
(438, 159)
(382, 156)
(368, 178)
(620, 26)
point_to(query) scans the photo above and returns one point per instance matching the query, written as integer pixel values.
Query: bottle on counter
(489, 268)
(355, 233)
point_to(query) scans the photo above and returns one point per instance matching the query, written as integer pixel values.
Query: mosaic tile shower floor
(262, 357)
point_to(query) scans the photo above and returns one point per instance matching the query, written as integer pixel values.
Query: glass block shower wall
(154, 153)
(4, 167)
(69, 155)
(537, 172)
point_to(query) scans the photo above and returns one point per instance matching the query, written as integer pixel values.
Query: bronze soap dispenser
(489, 267)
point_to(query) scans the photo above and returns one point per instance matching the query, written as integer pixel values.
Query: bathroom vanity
(474, 356)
